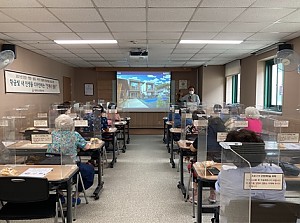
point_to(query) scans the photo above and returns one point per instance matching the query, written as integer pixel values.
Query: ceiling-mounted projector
(138, 53)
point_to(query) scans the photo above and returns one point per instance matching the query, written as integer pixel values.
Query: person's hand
(106, 130)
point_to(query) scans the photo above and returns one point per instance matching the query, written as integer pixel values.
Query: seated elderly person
(230, 182)
(253, 118)
(66, 141)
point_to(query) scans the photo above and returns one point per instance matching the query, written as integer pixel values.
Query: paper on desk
(36, 172)
(292, 146)
(228, 167)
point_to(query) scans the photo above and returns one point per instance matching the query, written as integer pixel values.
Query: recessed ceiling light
(85, 41)
(211, 41)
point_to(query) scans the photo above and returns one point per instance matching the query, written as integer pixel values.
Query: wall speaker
(11, 47)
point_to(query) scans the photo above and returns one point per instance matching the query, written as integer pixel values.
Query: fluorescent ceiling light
(211, 41)
(85, 41)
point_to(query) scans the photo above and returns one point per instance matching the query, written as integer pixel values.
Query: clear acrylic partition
(97, 123)
(183, 124)
(111, 116)
(201, 125)
(7, 134)
(54, 111)
(175, 116)
(248, 174)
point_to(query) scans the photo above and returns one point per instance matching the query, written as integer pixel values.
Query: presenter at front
(191, 96)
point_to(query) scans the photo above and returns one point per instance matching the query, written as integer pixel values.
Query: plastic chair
(28, 198)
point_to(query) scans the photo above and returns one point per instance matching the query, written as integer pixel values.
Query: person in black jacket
(215, 125)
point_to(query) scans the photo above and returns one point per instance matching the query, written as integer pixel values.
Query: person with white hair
(253, 118)
(65, 140)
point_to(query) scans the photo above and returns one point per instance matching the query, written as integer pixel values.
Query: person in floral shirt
(65, 140)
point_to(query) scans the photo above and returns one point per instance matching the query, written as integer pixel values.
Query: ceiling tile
(91, 27)
(184, 50)
(66, 3)
(120, 3)
(217, 14)
(48, 27)
(163, 41)
(264, 14)
(166, 26)
(181, 56)
(204, 56)
(20, 3)
(30, 14)
(102, 36)
(173, 3)
(246, 26)
(14, 27)
(5, 18)
(101, 64)
(27, 36)
(127, 26)
(268, 36)
(206, 26)
(164, 35)
(123, 14)
(64, 55)
(77, 15)
(170, 14)
(277, 3)
(46, 46)
(283, 27)
(227, 3)
(293, 17)
(61, 36)
(198, 35)
(130, 35)
(83, 50)
(233, 36)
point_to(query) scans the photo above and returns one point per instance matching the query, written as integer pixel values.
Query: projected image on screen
(143, 91)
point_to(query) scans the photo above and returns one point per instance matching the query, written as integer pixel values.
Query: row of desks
(202, 174)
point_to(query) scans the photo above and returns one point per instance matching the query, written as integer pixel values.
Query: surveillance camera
(205, 65)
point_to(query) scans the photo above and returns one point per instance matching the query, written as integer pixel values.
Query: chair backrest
(262, 211)
(23, 189)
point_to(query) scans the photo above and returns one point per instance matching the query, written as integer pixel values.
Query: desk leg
(100, 182)
(171, 151)
(69, 200)
(128, 137)
(168, 138)
(199, 206)
(114, 160)
(181, 183)
(164, 138)
(124, 140)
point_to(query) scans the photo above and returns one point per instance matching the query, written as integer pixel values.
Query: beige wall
(213, 87)
(252, 72)
(32, 63)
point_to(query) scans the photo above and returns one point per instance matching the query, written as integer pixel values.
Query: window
(233, 89)
(273, 86)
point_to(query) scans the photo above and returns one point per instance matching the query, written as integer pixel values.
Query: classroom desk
(165, 119)
(112, 132)
(127, 119)
(25, 148)
(121, 126)
(173, 131)
(203, 176)
(184, 150)
(59, 175)
(95, 147)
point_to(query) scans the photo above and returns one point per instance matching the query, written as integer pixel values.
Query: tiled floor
(141, 188)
